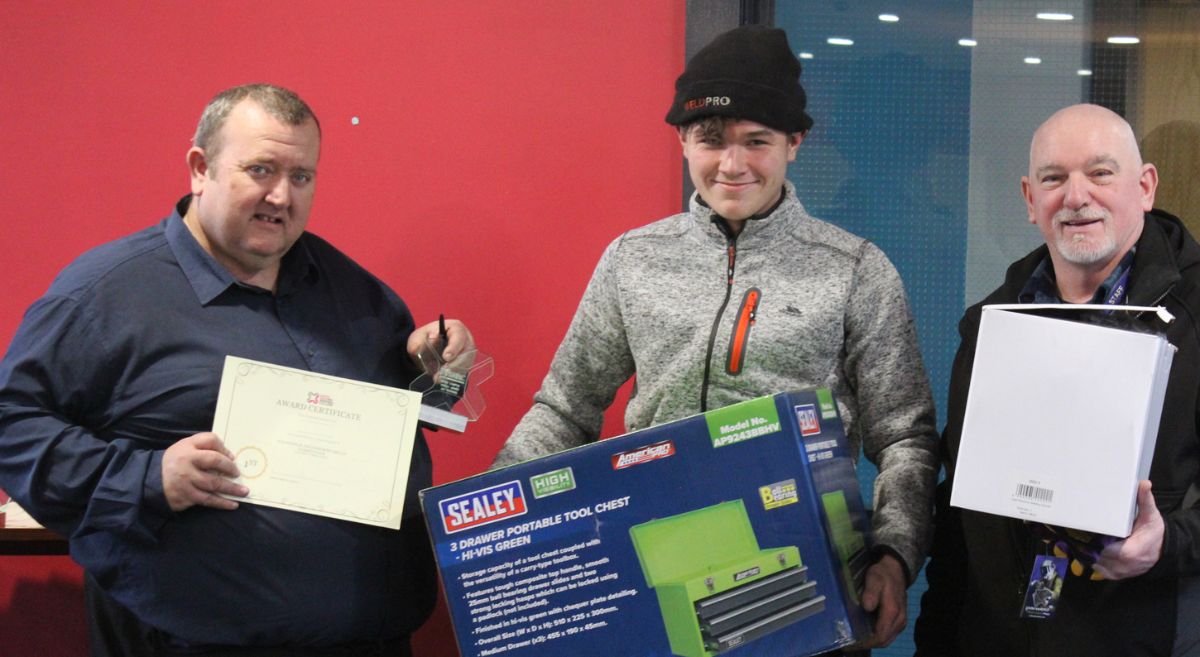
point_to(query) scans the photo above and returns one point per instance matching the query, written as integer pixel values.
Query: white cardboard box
(1061, 420)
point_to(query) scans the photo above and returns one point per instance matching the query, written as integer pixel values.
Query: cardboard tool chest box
(737, 532)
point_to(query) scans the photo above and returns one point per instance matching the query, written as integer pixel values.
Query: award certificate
(318, 444)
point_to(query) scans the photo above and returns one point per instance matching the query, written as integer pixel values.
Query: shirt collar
(299, 267)
(1043, 288)
(209, 279)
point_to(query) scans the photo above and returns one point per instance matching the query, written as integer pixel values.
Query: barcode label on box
(1037, 494)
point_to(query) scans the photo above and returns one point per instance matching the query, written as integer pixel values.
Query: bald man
(1091, 196)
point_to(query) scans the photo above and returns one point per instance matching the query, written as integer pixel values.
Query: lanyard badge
(1045, 586)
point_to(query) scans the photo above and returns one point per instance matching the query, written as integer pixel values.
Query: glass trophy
(450, 396)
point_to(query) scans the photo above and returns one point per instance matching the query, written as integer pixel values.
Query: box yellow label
(780, 494)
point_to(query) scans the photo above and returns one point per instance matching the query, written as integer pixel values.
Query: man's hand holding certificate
(318, 444)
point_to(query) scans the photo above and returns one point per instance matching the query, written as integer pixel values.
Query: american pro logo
(807, 416)
(643, 454)
(482, 507)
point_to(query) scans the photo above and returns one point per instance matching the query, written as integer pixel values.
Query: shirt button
(312, 352)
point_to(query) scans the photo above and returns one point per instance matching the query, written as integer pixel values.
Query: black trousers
(113, 631)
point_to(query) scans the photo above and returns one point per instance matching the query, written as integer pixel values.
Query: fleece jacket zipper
(731, 255)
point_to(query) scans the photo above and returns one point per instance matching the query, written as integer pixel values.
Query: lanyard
(1118, 291)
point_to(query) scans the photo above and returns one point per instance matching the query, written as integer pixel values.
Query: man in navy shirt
(109, 387)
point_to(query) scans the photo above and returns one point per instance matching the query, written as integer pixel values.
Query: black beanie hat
(747, 73)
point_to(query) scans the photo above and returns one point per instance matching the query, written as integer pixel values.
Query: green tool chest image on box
(716, 588)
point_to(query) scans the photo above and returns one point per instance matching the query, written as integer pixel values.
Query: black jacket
(981, 563)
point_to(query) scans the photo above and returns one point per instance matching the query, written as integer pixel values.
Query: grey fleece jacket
(791, 303)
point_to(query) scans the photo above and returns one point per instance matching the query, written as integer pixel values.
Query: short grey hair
(282, 104)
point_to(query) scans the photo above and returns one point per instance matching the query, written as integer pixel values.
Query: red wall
(500, 146)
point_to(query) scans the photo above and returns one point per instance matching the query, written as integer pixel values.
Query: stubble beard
(1084, 249)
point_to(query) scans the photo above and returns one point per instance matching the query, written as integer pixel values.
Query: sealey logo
(807, 415)
(482, 507)
(643, 454)
(319, 399)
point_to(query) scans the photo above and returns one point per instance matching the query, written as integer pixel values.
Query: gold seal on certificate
(251, 462)
(318, 444)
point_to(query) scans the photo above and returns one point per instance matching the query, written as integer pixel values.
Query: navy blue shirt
(122, 357)
(1042, 286)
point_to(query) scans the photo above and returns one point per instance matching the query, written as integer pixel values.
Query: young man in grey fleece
(747, 295)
